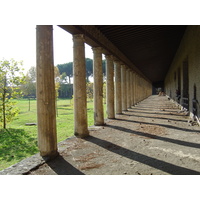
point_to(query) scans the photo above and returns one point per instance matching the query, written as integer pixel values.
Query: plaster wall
(188, 51)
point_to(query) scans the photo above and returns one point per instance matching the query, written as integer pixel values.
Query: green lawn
(20, 141)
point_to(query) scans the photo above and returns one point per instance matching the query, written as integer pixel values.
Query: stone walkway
(152, 138)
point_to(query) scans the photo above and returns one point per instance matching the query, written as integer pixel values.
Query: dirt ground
(152, 138)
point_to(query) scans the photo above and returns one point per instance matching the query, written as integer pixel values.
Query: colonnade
(124, 89)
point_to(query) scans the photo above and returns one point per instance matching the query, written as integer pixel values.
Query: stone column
(46, 112)
(136, 89)
(128, 87)
(140, 94)
(118, 98)
(124, 89)
(98, 86)
(139, 89)
(131, 86)
(79, 87)
(110, 87)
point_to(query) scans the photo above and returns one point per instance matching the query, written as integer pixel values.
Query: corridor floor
(151, 138)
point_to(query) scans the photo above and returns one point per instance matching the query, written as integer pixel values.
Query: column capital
(128, 69)
(123, 65)
(42, 27)
(97, 49)
(109, 56)
(116, 60)
(79, 37)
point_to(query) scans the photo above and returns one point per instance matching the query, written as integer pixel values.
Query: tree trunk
(4, 107)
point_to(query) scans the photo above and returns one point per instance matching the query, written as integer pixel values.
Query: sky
(19, 42)
(18, 19)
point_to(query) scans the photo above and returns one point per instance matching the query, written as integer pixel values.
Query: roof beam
(94, 38)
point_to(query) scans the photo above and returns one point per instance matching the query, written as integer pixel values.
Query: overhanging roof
(150, 48)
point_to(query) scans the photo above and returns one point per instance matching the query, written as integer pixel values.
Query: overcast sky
(19, 42)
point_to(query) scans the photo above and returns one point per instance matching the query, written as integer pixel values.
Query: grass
(19, 141)
(15, 145)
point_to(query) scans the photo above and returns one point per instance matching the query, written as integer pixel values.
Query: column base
(111, 118)
(99, 124)
(48, 157)
(83, 135)
(119, 113)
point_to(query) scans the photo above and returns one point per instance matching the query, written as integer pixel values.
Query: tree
(89, 91)
(104, 68)
(11, 77)
(57, 80)
(66, 71)
(29, 87)
(89, 68)
(57, 84)
(66, 68)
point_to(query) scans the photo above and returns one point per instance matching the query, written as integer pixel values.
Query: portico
(126, 84)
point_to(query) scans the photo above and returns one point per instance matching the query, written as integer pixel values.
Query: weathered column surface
(79, 87)
(131, 86)
(46, 112)
(128, 87)
(134, 88)
(98, 86)
(118, 98)
(124, 89)
(110, 87)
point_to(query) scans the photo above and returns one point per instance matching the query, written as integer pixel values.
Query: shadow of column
(153, 162)
(61, 167)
